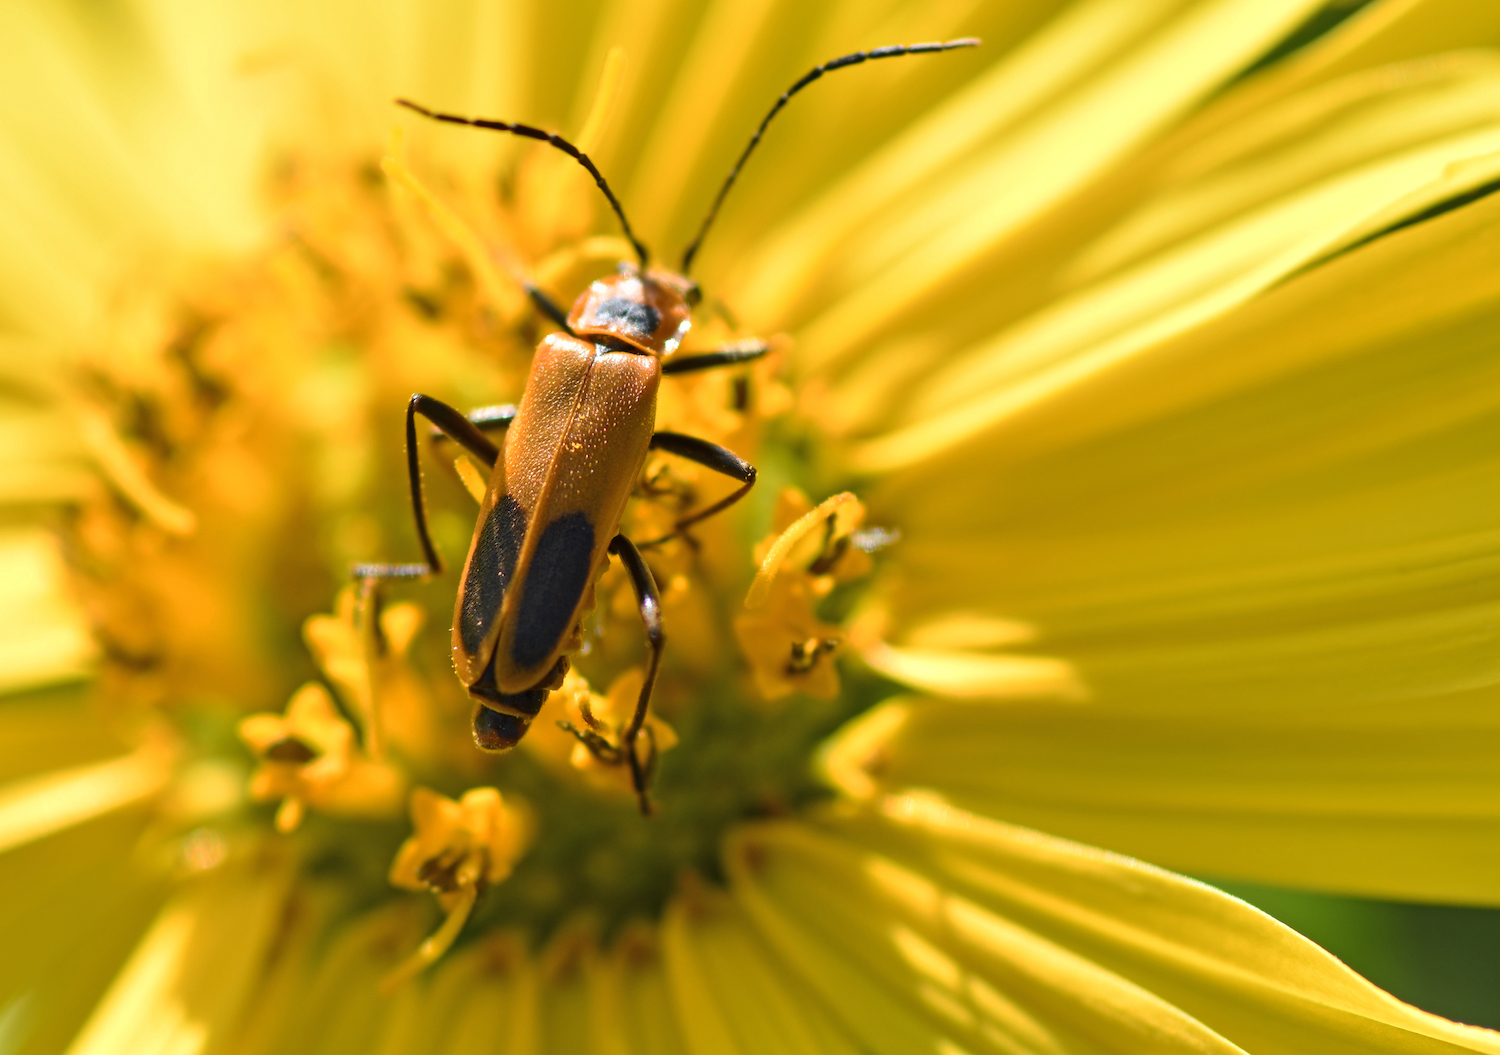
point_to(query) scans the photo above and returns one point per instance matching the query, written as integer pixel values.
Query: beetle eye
(693, 295)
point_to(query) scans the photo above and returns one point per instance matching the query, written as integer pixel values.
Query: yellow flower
(308, 758)
(457, 850)
(1127, 473)
(581, 729)
(809, 552)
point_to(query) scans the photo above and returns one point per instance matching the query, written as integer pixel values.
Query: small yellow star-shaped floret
(471, 843)
(308, 758)
(457, 850)
(789, 649)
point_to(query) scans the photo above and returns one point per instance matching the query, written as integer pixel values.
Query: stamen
(604, 100)
(121, 469)
(463, 237)
(597, 247)
(431, 950)
(846, 513)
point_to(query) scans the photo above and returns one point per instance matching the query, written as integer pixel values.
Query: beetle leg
(499, 416)
(650, 604)
(725, 356)
(719, 459)
(463, 432)
(548, 307)
(649, 766)
(598, 746)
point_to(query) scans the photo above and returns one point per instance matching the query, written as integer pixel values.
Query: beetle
(573, 452)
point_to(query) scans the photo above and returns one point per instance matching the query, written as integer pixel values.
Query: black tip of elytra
(496, 731)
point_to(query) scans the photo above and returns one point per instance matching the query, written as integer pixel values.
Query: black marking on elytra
(555, 579)
(641, 319)
(497, 731)
(528, 702)
(521, 704)
(495, 554)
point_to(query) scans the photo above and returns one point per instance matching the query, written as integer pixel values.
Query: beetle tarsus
(640, 774)
(368, 572)
(602, 750)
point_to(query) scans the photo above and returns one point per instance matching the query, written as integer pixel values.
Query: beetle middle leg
(728, 355)
(466, 434)
(500, 416)
(719, 459)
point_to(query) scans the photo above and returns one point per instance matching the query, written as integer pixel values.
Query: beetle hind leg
(650, 605)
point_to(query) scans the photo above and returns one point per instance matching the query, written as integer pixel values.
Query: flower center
(262, 399)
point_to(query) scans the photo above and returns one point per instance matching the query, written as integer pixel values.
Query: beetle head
(649, 310)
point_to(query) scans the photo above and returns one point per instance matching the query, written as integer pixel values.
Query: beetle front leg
(547, 306)
(466, 434)
(719, 459)
(650, 604)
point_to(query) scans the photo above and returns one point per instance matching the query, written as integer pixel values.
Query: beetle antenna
(811, 75)
(642, 254)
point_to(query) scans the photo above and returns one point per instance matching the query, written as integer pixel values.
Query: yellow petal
(1304, 544)
(704, 1026)
(1005, 939)
(337, 1005)
(632, 984)
(191, 974)
(65, 933)
(1238, 166)
(497, 1011)
(1053, 61)
(718, 960)
(43, 635)
(684, 121)
(1386, 804)
(1037, 165)
(1097, 330)
(38, 806)
(976, 675)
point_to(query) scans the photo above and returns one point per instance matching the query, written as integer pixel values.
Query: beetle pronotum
(573, 452)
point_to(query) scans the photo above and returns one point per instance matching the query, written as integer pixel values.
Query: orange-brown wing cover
(572, 458)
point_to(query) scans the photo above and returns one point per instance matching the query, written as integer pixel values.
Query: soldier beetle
(573, 452)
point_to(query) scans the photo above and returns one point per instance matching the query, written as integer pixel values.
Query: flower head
(1123, 473)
